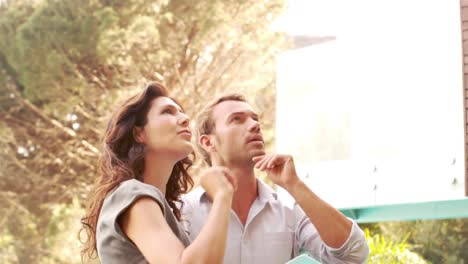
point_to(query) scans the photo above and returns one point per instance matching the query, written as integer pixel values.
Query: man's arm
(332, 226)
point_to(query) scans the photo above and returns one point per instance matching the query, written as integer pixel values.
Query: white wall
(375, 116)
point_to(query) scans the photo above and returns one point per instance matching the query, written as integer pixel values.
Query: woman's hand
(218, 182)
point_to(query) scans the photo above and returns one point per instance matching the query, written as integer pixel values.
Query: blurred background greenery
(66, 64)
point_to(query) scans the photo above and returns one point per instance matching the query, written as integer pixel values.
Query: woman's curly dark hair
(123, 159)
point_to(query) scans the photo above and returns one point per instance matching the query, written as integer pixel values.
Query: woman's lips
(185, 132)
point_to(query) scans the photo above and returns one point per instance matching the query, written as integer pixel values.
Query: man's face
(237, 136)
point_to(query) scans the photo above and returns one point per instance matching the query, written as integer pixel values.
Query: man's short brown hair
(205, 125)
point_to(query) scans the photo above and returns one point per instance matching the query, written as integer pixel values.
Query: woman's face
(167, 130)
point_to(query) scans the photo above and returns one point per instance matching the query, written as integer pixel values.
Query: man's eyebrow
(253, 114)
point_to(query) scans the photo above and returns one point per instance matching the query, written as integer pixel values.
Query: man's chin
(257, 152)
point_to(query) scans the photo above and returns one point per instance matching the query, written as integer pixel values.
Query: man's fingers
(257, 158)
(259, 161)
(273, 161)
(277, 160)
(265, 162)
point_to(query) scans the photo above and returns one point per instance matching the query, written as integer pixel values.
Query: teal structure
(447, 209)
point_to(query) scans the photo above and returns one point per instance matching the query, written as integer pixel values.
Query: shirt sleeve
(354, 250)
(121, 199)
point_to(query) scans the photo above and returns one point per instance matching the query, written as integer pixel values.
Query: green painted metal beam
(447, 209)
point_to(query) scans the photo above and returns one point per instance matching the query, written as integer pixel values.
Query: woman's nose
(184, 120)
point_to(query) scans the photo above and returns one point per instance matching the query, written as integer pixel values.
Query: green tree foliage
(440, 241)
(66, 64)
(384, 250)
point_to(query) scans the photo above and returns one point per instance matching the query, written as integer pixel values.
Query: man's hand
(280, 169)
(333, 227)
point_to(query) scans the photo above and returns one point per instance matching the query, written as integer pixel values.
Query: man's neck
(246, 193)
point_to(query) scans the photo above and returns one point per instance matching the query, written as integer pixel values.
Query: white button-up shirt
(273, 232)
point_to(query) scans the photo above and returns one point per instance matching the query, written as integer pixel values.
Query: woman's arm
(210, 244)
(144, 223)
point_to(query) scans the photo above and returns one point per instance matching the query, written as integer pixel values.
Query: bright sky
(387, 94)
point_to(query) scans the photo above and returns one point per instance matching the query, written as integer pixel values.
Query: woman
(133, 217)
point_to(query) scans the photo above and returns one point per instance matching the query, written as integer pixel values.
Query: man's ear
(207, 144)
(138, 134)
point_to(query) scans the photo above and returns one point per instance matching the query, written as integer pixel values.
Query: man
(262, 228)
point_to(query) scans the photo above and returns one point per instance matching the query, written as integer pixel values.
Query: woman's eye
(167, 111)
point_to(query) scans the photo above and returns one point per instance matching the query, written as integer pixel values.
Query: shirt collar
(265, 193)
